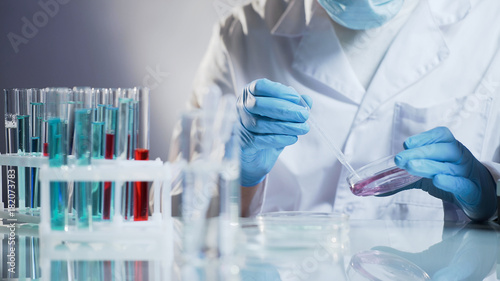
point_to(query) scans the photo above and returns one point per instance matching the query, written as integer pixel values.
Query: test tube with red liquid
(142, 153)
(109, 152)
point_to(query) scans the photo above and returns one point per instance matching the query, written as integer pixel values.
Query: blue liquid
(23, 149)
(83, 204)
(23, 132)
(59, 201)
(98, 140)
(36, 128)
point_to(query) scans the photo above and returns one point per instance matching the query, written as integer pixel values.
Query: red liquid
(106, 208)
(108, 270)
(360, 189)
(139, 273)
(141, 154)
(110, 146)
(108, 154)
(141, 198)
(46, 149)
(128, 185)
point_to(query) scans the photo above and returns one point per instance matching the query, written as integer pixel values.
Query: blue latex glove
(271, 119)
(457, 176)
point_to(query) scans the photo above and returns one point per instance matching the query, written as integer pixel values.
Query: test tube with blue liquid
(56, 113)
(82, 146)
(37, 109)
(37, 100)
(11, 110)
(83, 190)
(24, 145)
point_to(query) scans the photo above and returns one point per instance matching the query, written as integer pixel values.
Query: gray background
(112, 43)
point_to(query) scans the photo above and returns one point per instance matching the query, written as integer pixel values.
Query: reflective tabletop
(295, 248)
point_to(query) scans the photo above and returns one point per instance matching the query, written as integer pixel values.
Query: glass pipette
(336, 151)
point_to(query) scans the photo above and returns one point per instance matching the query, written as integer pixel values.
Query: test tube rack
(113, 240)
(117, 239)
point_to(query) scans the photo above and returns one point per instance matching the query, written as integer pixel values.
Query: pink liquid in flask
(383, 182)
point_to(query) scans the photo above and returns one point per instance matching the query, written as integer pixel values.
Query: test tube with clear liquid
(128, 197)
(122, 141)
(101, 101)
(11, 172)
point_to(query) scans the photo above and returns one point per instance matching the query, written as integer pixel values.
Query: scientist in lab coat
(416, 78)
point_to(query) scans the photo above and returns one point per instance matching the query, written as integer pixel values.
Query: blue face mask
(361, 14)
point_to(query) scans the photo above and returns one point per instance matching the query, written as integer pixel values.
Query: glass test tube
(37, 109)
(100, 102)
(37, 99)
(110, 128)
(83, 192)
(56, 108)
(141, 197)
(11, 110)
(132, 143)
(81, 99)
(122, 141)
(24, 147)
(84, 98)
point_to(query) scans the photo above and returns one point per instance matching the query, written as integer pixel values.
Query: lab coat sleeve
(494, 169)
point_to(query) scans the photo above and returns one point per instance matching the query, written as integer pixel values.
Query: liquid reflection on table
(427, 250)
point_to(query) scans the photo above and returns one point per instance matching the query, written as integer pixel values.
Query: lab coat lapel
(319, 55)
(418, 49)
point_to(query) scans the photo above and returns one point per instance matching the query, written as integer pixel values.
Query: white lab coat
(442, 69)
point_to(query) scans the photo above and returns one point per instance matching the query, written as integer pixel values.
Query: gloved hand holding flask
(450, 172)
(272, 118)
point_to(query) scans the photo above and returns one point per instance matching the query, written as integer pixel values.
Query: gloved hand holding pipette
(452, 173)
(272, 117)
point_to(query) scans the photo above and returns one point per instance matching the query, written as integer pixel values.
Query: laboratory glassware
(24, 146)
(122, 142)
(11, 173)
(83, 192)
(110, 129)
(56, 108)
(141, 196)
(209, 180)
(100, 102)
(377, 265)
(379, 177)
(331, 145)
(37, 110)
